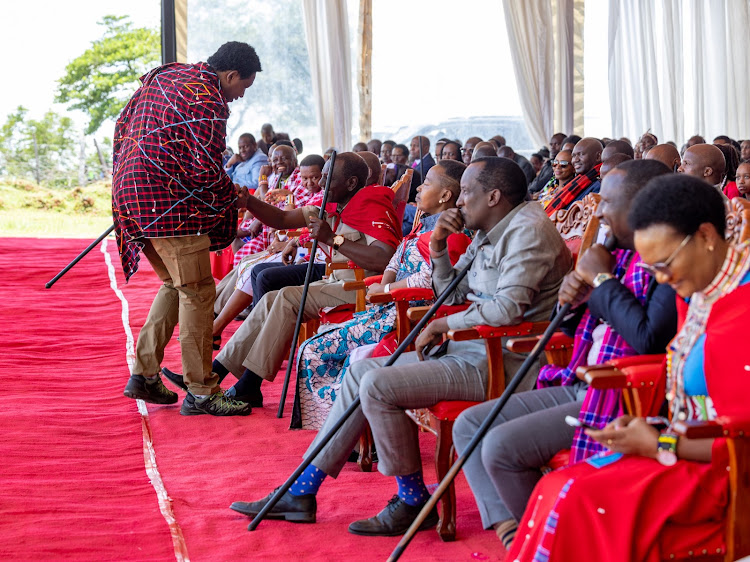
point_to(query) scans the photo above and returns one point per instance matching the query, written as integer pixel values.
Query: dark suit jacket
(425, 164)
(528, 169)
(542, 179)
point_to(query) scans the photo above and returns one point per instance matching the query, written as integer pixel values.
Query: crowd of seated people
(670, 285)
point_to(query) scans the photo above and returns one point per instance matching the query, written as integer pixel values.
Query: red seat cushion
(448, 410)
(337, 314)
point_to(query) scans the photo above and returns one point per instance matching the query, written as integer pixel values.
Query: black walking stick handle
(79, 258)
(305, 290)
(355, 404)
(609, 244)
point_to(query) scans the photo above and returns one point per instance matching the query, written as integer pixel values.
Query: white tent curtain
(530, 34)
(546, 40)
(675, 67)
(327, 34)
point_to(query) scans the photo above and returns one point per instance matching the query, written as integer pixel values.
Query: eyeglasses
(663, 267)
(561, 163)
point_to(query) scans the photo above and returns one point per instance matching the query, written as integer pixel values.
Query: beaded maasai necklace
(733, 270)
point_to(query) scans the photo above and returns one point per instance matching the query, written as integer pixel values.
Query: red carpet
(75, 484)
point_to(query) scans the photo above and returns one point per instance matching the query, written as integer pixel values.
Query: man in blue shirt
(244, 167)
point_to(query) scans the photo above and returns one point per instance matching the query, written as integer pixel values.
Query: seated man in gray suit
(517, 261)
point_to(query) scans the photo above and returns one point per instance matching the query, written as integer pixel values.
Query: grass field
(31, 211)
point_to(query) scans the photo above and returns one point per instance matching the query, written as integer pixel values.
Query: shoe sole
(291, 516)
(148, 398)
(427, 524)
(197, 412)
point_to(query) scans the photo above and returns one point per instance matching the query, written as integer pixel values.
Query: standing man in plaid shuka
(172, 199)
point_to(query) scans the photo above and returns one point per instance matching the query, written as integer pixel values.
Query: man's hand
(431, 336)
(242, 196)
(574, 290)
(276, 195)
(235, 159)
(593, 262)
(276, 246)
(265, 170)
(450, 222)
(255, 227)
(289, 252)
(321, 231)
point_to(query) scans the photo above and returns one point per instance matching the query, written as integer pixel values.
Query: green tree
(102, 79)
(43, 150)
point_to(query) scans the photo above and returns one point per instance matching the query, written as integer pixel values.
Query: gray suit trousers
(504, 468)
(386, 393)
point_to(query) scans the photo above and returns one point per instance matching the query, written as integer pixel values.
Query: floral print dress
(323, 359)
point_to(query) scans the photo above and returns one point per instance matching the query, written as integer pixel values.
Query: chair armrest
(602, 376)
(380, 298)
(655, 359)
(524, 345)
(343, 265)
(416, 313)
(723, 426)
(698, 429)
(355, 286)
(485, 332)
(408, 294)
(372, 279)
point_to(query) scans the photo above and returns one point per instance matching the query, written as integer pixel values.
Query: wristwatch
(666, 449)
(338, 240)
(601, 278)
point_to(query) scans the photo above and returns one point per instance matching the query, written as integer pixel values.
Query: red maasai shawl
(168, 179)
(572, 190)
(599, 406)
(371, 212)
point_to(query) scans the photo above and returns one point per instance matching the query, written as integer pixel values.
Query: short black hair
(680, 201)
(247, 136)
(723, 138)
(235, 55)
(284, 142)
(503, 174)
(297, 144)
(621, 147)
(402, 147)
(453, 169)
(351, 164)
(572, 139)
(313, 160)
(637, 174)
(390, 142)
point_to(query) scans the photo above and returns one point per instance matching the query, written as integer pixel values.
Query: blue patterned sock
(308, 482)
(411, 488)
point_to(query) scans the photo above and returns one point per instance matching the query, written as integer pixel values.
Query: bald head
(506, 152)
(704, 161)
(373, 164)
(695, 139)
(587, 154)
(666, 154)
(483, 150)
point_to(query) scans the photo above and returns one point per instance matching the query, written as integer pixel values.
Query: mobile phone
(575, 422)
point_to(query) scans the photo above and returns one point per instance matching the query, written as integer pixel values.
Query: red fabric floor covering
(74, 483)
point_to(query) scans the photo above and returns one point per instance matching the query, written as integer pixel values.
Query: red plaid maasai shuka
(168, 179)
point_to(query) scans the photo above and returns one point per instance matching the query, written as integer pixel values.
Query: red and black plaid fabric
(568, 193)
(168, 179)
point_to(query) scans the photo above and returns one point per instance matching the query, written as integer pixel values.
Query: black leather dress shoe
(255, 399)
(175, 378)
(297, 509)
(394, 520)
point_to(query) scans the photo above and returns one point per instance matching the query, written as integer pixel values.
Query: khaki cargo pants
(186, 296)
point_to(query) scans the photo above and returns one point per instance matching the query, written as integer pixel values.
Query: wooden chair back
(738, 220)
(381, 179)
(578, 224)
